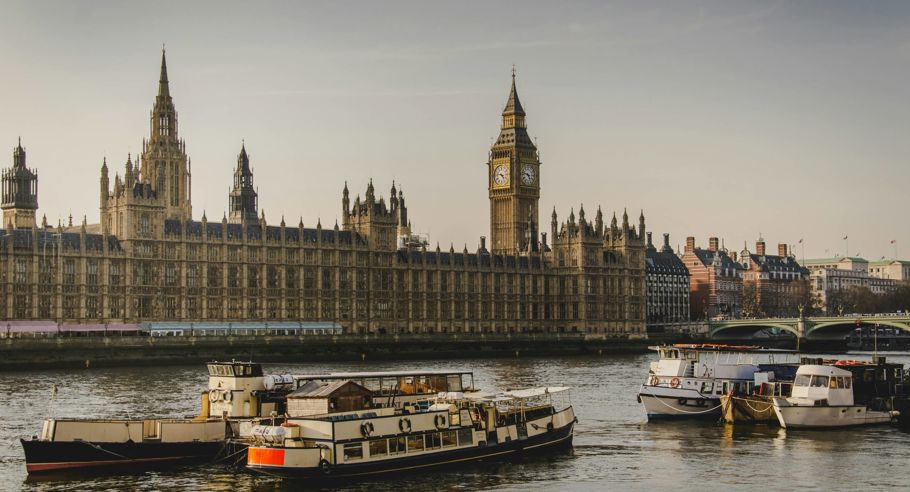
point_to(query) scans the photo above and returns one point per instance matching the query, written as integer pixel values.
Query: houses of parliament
(148, 259)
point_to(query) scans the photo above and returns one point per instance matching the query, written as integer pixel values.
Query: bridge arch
(748, 328)
(838, 329)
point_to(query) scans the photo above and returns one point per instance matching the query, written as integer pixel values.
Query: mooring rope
(686, 411)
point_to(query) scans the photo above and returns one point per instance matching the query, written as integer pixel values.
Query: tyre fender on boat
(655, 381)
(404, 424)
(674, 383)
(325, 466)
(366, 429)
(213, 396)
(440, 421)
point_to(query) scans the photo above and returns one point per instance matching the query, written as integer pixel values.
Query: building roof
(889, 262)
(667, 263)
(706, 257)
(323, 389)
(836, 259)
(775, 263)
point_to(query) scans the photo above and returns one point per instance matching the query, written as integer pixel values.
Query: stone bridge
(809, 328)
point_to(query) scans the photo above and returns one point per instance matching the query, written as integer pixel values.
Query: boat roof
(818, 370)
(380, 374)
(522, 394)
(717, 347)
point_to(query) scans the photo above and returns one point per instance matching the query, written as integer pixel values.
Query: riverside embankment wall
(96, 351)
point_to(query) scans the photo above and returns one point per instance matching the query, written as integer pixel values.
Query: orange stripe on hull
(265, 456)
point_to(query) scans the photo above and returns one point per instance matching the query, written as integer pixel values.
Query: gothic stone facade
(148, 259)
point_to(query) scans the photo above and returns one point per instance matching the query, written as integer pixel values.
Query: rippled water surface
(614, 445)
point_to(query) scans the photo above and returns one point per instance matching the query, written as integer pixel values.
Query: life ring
(674, 383)
(366, 429)
(439, 420)
(655, 381)
(325, 466)
(404, 425)
(213, 396)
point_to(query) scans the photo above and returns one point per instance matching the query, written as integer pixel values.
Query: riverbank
(109, 351)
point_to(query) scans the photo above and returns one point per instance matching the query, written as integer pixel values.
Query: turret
(20, 192)
(243, 199)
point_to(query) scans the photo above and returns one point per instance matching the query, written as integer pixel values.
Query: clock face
(501, 175)
(527, 174)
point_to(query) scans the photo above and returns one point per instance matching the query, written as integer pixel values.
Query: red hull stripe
(39, 467)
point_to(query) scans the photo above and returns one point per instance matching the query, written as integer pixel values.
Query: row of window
(379, 448)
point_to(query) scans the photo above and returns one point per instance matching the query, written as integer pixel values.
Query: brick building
(716, 284)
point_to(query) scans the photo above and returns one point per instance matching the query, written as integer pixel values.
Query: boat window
(449, 439)
(847, 382)
(415, 444)
(819, 381)
(726, 387)
(396, 445)
(832, 384)
(353, 451)
(840, 382)
(465, 437)
(379, 448)
(454, 383)
(802, 380)
(433, 440)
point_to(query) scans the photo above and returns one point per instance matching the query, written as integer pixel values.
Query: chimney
(781, 249)
(733, 255)
(649, 241)
(666, 248)
(690, 244)
(713, 244)
(483, 243)
(760, 247)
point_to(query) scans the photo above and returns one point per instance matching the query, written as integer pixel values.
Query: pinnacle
(513, 105)
(162, 79)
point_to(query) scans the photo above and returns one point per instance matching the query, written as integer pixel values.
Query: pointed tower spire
(513, 104)
(163, 89)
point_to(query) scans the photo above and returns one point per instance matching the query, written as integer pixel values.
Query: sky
(785, 120)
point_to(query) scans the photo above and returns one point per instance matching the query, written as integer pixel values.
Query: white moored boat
(823, 396)
(689, 379)
(453, 428)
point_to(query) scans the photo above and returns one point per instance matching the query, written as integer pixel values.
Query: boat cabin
(399, 389)
(714, 361)
(823, 385)
(239, 389)
(325, 397)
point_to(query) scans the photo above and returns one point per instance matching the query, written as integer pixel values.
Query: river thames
(615, 447)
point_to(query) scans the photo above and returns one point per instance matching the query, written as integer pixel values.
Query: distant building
(668, 284)
(898, 270)
(827, 276)
(716, 285)
(773, 285)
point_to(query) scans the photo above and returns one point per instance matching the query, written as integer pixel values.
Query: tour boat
(689, 379)
(453, 428)
(238, 396)
(824, 396)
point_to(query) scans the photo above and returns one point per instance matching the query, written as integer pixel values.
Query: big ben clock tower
(514, 181)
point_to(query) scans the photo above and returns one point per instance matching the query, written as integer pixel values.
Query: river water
(615, 447)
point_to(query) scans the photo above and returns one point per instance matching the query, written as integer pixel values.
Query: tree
(751, 301)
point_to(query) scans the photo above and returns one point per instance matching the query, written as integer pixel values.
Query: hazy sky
(732, 119)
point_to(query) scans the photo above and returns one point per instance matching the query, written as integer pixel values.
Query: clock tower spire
(513, 180)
